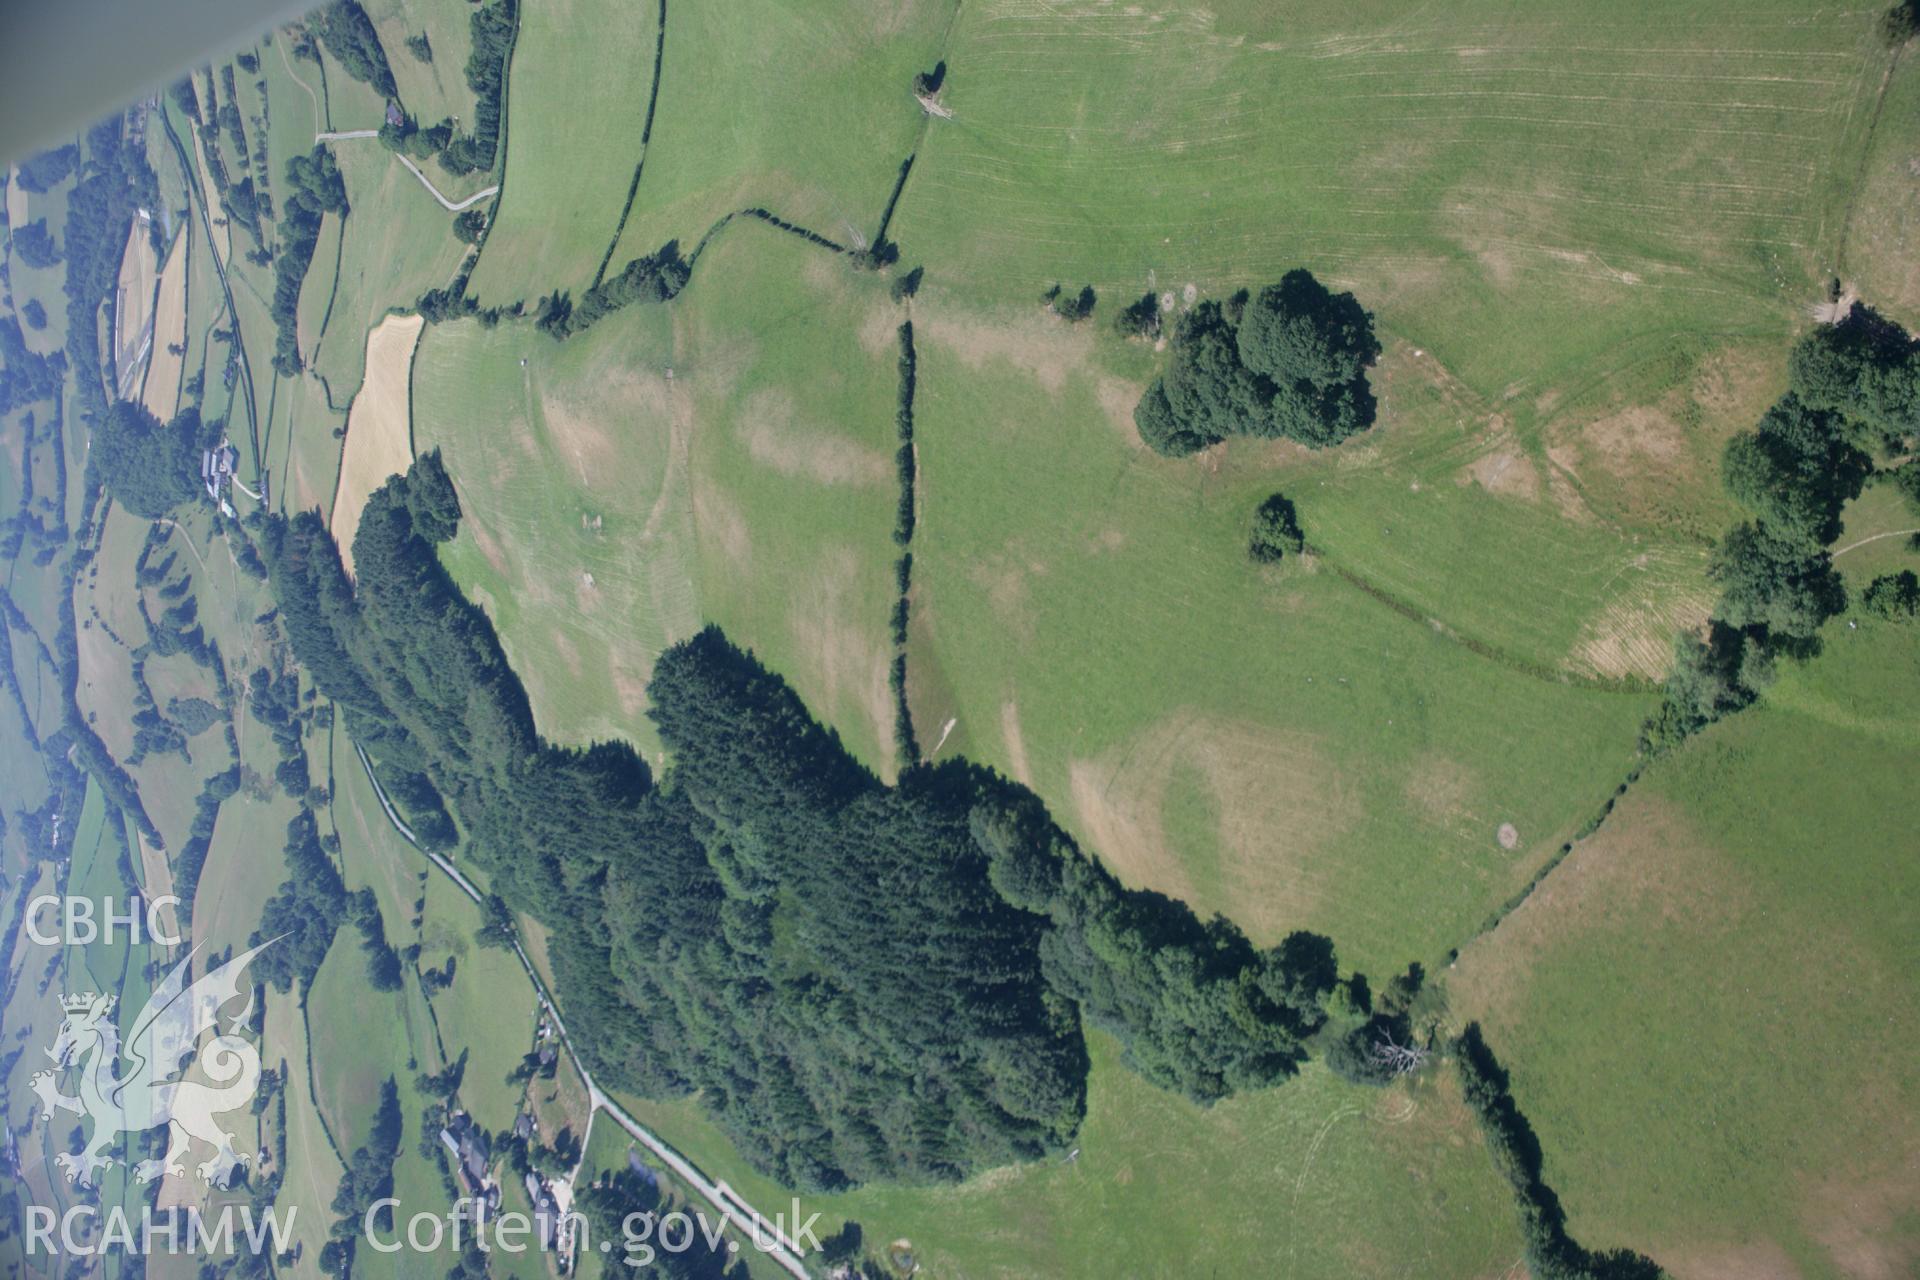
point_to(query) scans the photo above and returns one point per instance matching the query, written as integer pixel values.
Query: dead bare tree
(1401, 1060)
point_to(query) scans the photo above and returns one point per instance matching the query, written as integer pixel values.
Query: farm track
(196, 198)
(1891, 533)
(449, 205)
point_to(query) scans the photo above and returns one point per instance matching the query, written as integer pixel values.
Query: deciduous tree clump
(314, 187)
(1893, 596)
(1289, 362)
(347, 32)
(1851, 412)
(149, 467)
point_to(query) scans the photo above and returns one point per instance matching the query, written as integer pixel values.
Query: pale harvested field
(133, 301)
(379, 434)
(162, 388)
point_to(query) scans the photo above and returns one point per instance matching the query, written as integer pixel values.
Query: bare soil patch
(1632, 634)
(1506, 473)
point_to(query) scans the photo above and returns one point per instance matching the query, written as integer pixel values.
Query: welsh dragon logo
(148, 1095)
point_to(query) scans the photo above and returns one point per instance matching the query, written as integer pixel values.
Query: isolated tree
(1907, 481)
(41, 173)
(34, 244)
(1900, 23)
(1276, 531)
(907, 284)
(34, 314)
(1290, 362)
(1140, 319)
(927, 83)
(1075, 306)
(1864, 368)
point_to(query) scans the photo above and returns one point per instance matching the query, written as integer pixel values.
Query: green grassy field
(1715, 990)
(403, 247)
(576, 109)
(807, 113)
(313, 1170)
(1277, 744)
(41, 284)
(547, 482)
(359, 1039)
(611, 507)
(1312, 1178)
(432, 90)
(1881, 255)
(1588, 236)
(245, 863)
(1473, 173)
(488, 1011)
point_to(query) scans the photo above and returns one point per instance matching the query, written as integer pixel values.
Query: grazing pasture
(727, 457)
(1716, 989)
(807, 113)
(1314, 1178)
(1518, 191)
(1588, 235)
(576, 104)
(402, 246)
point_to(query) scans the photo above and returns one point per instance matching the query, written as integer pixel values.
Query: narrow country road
(722, 1197)
(414, 169)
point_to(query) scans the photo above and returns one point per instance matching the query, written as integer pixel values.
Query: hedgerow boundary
(646, 136)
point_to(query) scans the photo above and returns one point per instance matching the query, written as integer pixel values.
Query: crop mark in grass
(1493, 653)
(1306, 1169)
(646, 136)
(1866, 156)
